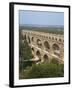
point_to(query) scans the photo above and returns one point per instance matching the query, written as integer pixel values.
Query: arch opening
(47, 46)
(24, 37)
(32, 39)
(33, 49)
(55, 47)
(56, 39)
(60, 40)
(45, 57)
(49, 37)
(29, 39)
(38, 55)
(52, 38)
(56, 50)
(39, 43)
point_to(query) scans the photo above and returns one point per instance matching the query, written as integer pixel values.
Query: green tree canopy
(44, 71)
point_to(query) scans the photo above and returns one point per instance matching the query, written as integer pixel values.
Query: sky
(41, 18)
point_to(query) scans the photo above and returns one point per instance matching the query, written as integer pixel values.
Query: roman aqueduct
(45, 46)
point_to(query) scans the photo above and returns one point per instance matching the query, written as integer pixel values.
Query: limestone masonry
(45, 46)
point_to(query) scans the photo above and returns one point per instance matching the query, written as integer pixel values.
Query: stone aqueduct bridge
(45, 46)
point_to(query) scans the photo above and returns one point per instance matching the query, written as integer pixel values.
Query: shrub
(24, 64)
(25, 51)
(44, 71)
(54, 61)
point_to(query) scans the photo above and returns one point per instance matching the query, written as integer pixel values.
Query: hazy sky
(41, 18)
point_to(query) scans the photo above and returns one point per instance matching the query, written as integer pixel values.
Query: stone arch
(45, 57)
(39, 43)
(55, 46)
(29, 39)
(49, 37)
(32, 49)
(46, 45)
(56, 49)
(24, 37)
(60, 40)
(38, 54)
(52, 38)
(56, 39)
(32, 39)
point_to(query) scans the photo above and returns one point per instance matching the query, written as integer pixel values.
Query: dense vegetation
(43, 70)
(31, 70)
(24, 49)
(25, 54)
(54, 30)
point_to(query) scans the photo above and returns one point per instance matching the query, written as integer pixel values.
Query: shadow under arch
(56, 49)
(39, 43)
(32, 39)
(46, 58)
(29, 39)
(55, 46)
(24, 37)
(38, 54)
(47, 46)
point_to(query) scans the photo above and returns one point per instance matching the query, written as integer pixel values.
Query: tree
(24, 53)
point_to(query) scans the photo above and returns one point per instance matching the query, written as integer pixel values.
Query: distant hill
(44, 28)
